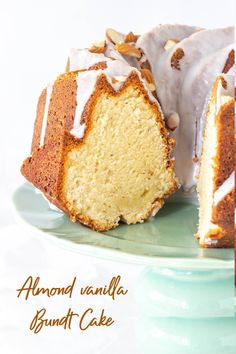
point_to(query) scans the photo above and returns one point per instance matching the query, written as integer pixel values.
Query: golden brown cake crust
(45, 167)
(223, 212)
(38, 121)
(224, 237)
(225, 149)
(222, 231)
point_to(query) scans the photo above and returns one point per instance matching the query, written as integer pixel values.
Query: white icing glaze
(184, 91)
(153, 42)
(81, 59)
(85, 85)
(232, 70)
(118, 68)
(224, 189)
(45, 114)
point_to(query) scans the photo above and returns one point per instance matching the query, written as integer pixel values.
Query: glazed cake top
(178, 64)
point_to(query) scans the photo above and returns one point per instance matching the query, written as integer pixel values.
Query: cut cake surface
(120, 169)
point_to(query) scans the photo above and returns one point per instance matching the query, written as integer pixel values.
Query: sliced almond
(120, 78)
(170, 43)
(144, 64)
(114, 36)
(99, 44)
(151, 86)
(97, 50)
(130, 37)
(147, 75)
(98, 47)
(172, 121)
(128, 49)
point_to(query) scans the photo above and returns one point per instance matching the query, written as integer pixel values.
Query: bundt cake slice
(216, 177)
(100, 150)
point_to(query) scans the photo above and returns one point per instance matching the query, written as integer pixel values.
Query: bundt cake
(102, 148)
(216, 178)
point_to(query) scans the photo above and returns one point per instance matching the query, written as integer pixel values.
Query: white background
(35, 37)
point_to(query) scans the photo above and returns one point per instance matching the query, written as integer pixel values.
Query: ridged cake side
(67, 170)
(216, 179)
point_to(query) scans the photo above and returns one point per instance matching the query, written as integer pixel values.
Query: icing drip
(85, 86)
(81, 59)
(224, 189)
(45, 115)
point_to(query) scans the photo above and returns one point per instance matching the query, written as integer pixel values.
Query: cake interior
(120, 170)
(205, 183)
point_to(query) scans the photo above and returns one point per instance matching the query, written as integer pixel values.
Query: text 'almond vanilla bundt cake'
(100, 149)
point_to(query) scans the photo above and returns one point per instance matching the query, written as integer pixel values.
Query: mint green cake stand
(166, 240)
(179, 278)
(186, 336)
